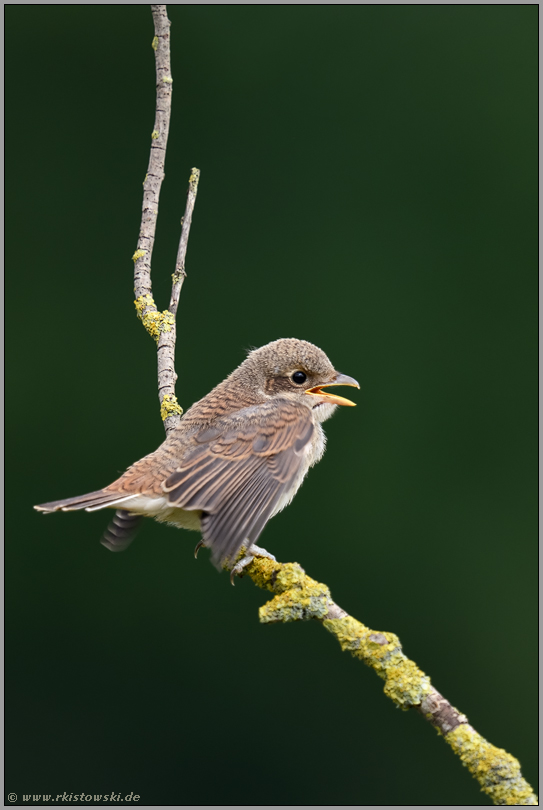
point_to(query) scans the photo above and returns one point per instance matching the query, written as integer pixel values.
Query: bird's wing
(237, 471)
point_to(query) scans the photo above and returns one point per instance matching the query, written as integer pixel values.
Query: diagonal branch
(298, 597)
(161, 325)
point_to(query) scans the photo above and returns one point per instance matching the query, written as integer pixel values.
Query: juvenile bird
(237, 457)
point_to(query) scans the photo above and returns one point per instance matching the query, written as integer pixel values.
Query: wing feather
(231, 528)
(238, 471)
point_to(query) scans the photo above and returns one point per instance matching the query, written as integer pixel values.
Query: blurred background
(368, 184)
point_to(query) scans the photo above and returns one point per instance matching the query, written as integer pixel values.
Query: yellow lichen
(154, 322)
(142, 302)
(139, 253)
(155, 134)
(405, 683)
(291, 576)
(167, 80)
(170, 406)
(308, 602)
(262, 572)
(497, 772)
(298, 597)
(154, 43)
(348, 631)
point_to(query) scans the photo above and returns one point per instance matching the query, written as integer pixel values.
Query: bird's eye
(299, 377)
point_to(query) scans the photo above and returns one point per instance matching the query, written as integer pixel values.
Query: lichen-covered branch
(298, 597)
(161, 325)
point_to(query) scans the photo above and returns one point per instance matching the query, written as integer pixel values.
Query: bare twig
(161, 325)
(170, 410)
(298, 597)
(180, 274)
(155, 172)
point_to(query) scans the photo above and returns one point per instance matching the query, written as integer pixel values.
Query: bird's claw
(254, 551)
(199, 545)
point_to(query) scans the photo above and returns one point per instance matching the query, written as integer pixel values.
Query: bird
(237, 457)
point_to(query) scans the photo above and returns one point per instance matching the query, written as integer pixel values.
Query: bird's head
(298, 369)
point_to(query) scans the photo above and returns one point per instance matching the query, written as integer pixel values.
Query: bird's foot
(254, 551)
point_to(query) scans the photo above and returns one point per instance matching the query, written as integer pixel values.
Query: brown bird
(237, 457)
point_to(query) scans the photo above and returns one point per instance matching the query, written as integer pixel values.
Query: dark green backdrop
(369, 184)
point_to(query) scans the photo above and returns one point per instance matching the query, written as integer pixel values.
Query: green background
(368, 184)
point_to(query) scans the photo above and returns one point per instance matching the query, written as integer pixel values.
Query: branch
(161, 325)
(170, 410)
(298, 597)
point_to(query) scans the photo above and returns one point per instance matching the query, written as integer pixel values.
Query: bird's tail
(121, 531)
(92, 501)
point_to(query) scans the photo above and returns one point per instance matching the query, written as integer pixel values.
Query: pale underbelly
(161, 510)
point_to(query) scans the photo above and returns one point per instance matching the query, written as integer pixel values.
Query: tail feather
(91, 501)
(121, 531)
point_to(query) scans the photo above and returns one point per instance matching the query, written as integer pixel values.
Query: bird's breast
(312, 453)
(317, 444)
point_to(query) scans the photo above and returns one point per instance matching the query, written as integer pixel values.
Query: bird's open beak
(340, 379)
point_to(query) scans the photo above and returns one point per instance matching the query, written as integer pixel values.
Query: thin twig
(180, 274)
(155, 171)
(298, 597)
(170, 410)
(161, 325)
